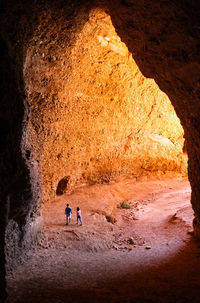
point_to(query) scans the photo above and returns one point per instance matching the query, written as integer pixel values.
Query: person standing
(68, 212)
(79, 216)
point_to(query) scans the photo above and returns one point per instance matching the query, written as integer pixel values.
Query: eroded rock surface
(94, 115)
(163, 37)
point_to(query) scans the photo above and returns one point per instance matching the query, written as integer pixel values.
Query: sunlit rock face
(94, 116)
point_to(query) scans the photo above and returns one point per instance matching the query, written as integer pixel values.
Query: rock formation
(94, 116)
(79, 103)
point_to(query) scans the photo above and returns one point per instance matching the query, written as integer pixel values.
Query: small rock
(115, 247)
(131, 240)
(148, 247)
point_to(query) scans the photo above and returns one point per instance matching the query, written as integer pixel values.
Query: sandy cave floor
(143, 254)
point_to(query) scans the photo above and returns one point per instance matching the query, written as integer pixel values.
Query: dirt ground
(142, 254)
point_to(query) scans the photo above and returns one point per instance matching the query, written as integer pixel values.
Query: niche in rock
(62, 186)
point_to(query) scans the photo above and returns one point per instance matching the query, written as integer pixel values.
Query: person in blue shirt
(68, 212)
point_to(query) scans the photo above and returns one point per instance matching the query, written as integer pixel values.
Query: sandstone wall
(94, 115)
(20, 182)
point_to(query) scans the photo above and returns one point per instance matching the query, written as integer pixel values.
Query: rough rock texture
(163, 37)
(19, 190)
(20, 186)
(94, 115)
(17, 198)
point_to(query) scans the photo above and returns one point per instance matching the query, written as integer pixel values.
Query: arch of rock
(80, 104)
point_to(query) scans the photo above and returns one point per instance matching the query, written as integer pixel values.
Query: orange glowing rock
(94, 116)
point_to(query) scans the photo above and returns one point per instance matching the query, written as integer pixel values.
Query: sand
(143, 254)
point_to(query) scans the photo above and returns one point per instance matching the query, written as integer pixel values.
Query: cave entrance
(95, 119)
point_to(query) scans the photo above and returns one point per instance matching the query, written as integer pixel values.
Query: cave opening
(103, 137)
(96, 120)
(94, 116)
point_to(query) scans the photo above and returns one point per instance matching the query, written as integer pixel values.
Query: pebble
(131, 240)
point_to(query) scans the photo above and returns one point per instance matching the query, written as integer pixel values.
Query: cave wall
(15, 190)
(163, 37)
(94, 116)
(20, 185)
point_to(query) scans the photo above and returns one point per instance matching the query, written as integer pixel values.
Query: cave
(96, 98)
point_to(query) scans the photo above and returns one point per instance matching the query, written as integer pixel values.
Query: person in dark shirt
(68, 212)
